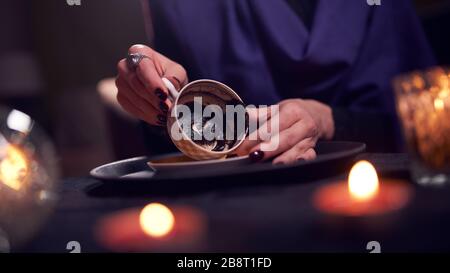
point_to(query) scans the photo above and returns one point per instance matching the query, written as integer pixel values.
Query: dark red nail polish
(256, 156)
(301, 160)
(163, 106)
(160, 94)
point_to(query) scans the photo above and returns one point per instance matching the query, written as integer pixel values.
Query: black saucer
(135, 176)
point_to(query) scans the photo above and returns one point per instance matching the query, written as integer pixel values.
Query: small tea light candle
(362, 194)
(156, 227)
(156, 220)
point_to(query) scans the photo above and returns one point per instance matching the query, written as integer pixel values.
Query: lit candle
(14, 169)
(362, 194)
(156, 220)
(423, 104)
(363, 181)
(153, 228)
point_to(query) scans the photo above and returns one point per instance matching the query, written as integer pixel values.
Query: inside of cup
(212, 116)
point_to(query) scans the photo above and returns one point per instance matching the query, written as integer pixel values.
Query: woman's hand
(142, 92)
(300, 124)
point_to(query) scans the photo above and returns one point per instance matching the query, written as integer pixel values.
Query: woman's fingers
(262, 117)
(135, 105)
(281, 118)
(142, 91)
(130, 93)
(148, 75)
(304, 150)
(136, 85)
(152, 69)
(130, 108)
(155, 97)
(299, 132)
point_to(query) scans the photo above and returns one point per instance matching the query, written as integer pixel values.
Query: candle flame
(363, 181)
(13, 168)
(156, 220)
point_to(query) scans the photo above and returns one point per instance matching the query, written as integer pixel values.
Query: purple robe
(264, 51)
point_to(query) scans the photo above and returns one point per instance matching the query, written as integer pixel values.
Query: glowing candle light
(14, 168)
(423, 110)
(439, 104)
(156, 220)
(363, 181)
(155, 227)
(362, 194)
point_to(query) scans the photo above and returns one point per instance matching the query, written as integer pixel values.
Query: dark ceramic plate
(135, 174)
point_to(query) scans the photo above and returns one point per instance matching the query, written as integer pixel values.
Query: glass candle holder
(28, 178)
(423, 106)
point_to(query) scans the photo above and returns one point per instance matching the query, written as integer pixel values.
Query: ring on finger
(133, 60)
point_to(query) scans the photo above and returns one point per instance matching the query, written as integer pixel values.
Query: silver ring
(134, 59)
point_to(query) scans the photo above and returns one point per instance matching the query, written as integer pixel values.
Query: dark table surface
(278, 217)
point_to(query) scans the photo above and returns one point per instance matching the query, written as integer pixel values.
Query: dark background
(53, 58)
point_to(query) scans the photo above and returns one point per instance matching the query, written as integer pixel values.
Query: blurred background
(57, 63)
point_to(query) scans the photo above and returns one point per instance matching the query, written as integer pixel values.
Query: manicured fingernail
(163, 106)
(160, 94)
(256, 156)
(162, 118)
(301, 160)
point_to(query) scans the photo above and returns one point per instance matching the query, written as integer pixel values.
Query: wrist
(325, 121)
(328, 123)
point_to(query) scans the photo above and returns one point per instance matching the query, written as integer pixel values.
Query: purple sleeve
(347, 59)
(394, 44)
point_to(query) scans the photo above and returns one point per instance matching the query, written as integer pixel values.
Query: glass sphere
(28, 177)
